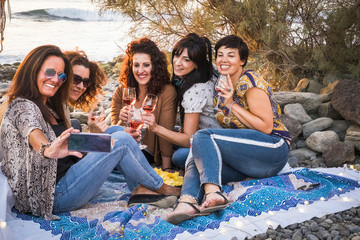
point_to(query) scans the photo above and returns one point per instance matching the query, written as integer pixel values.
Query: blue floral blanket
(257, 205)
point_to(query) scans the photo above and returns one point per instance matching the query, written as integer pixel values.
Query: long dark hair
(159, 73)
(97, 79)
(199, 51)
(24, 83)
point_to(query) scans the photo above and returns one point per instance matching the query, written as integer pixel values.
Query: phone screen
(90, 142)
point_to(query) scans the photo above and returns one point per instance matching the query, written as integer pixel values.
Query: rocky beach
(323, 118)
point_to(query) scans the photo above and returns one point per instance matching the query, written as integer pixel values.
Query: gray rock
(300, 144)
(311, 237)
(346, 98)
(318, 161)
(338, 154)
(292, 125)
(316, 125)
(353, 136)
(314, 227)
(307, 153)
(340, 127)
(336, 227)
(297, 112)
(297, 235)
(326, 110)
(354, 229)
(320, 141)
(336, 237)
(293, 161)
(310, 101)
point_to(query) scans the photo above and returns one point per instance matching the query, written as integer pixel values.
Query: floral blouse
(248, 80)
(30, 175)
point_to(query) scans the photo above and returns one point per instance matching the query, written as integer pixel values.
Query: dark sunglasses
(78, 80)
(50, 73)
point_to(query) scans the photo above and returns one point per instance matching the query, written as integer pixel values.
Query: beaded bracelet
(42, 149)
(231, 107)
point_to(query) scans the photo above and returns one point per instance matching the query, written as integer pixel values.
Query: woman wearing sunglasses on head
(35, 133)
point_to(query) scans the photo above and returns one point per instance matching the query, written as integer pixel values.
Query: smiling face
(77, 90)
(182, 64)
(48, 86)
(141, 68)
(228, 62)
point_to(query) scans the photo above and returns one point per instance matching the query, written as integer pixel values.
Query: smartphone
(90, 142)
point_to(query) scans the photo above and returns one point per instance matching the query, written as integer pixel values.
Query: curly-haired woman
(89, 78)
(145, 69)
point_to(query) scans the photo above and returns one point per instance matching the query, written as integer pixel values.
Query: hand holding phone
(90, 142)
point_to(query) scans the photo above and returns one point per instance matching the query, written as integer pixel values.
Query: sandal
(217, 207)
(180, 217)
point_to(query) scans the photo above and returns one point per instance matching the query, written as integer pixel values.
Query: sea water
(69, 24)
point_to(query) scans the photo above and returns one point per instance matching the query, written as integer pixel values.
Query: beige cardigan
(164, 115)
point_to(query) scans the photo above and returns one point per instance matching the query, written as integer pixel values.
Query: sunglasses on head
(78, 80)
(50, 73)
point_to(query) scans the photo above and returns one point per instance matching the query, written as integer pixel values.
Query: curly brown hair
(97, 79)
(159, 73)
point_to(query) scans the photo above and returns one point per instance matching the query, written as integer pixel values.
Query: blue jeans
(82, 181)
(179, 157)
(226, 155)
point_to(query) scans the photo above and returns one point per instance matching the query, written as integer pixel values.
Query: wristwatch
(42, 149)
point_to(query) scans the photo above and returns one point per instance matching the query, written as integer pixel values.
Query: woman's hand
(59, 147)
(227, 92)
(98, 125)
(136, 134)
(149, 119)
(124, 113)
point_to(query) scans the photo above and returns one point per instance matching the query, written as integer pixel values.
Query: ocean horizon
(69, 24)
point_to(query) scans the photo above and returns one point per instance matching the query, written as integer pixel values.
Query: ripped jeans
(226, 155)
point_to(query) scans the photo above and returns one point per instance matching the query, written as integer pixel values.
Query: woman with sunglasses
(34, 133)
(86, 89)
(89, 78)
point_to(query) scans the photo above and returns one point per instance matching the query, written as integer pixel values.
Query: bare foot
(169, 190)
(142, 190)
(213, 199)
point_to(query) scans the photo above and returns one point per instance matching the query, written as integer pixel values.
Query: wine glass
(129, 95)
(136, 122)
(149, 103)
(97, 110)
(219, 84)
(148, 106)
